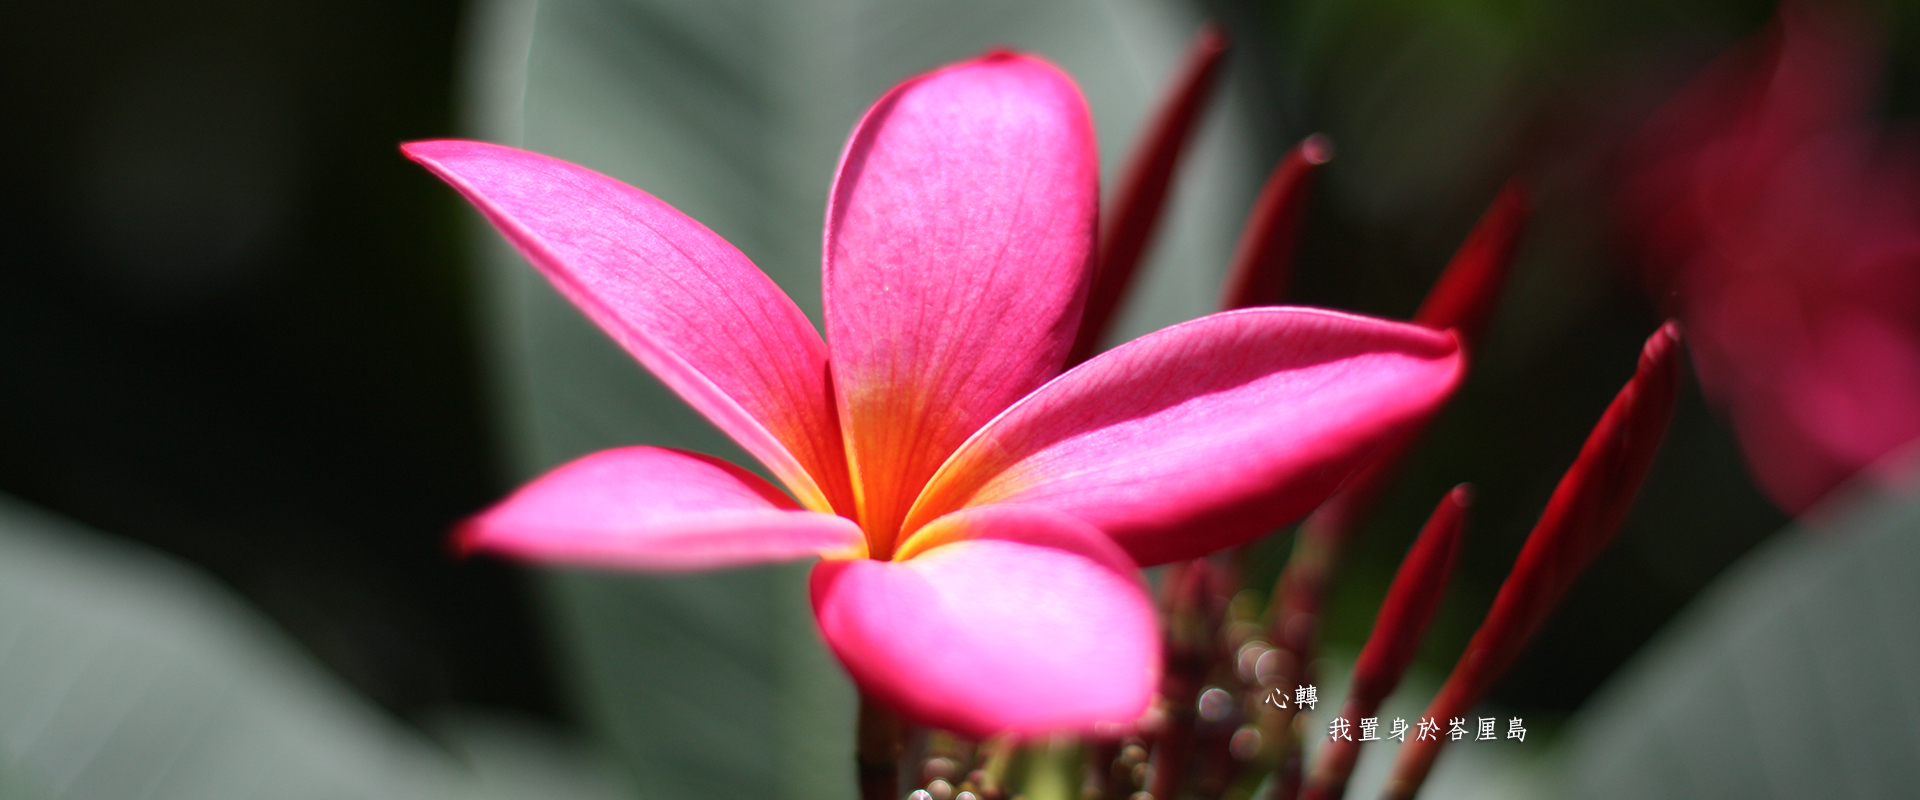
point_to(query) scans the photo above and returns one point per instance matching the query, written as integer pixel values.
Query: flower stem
(1053, 769)
(877, 750)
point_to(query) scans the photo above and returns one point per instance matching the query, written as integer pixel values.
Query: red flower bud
(1128, 225)
(1581, 517)
(1464, 297)
(1263, 260)
(1403, 619)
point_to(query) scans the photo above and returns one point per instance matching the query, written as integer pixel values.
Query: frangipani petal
(653, 508)
(1008, 619)
(697, 313)
(1208, 433)
(958, 239)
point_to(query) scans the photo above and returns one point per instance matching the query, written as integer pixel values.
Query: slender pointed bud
(1263, 260)
(1397, 631)
(879, 745)
(1411, 601)
(1127, 226)
(1464, 297)
(1462, 300)
(1581, 517)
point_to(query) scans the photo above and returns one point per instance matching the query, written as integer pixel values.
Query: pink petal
(958, 241)
(1208, 433)
(1004, 619)
(653, 508)
(683, 301)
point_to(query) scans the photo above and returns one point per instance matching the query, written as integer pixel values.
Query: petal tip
(429, 151)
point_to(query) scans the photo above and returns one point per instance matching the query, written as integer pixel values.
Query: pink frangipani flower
(980, 515)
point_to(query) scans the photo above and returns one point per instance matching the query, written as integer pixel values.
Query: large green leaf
(126, 675)
(734, 111)
(1796, 675)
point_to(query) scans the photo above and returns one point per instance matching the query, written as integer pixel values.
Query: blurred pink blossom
(1784, 229)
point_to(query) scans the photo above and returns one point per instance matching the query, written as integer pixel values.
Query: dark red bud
(1412, 600)
(1128, 225)
(1395, 638)
(1263, 261)
(1464, 297)
(1581, 517)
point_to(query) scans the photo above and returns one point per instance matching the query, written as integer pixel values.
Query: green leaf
(126, 675)
(1796, 675)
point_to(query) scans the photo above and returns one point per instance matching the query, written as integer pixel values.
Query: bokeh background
(240, 333)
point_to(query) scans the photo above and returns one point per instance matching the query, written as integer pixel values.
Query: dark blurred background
(237, 326)
(235, 323)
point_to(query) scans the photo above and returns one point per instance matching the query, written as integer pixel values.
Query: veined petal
(1207, 433)
(654, 508)
(1004, 619)
(957, 248)
(688, 305)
